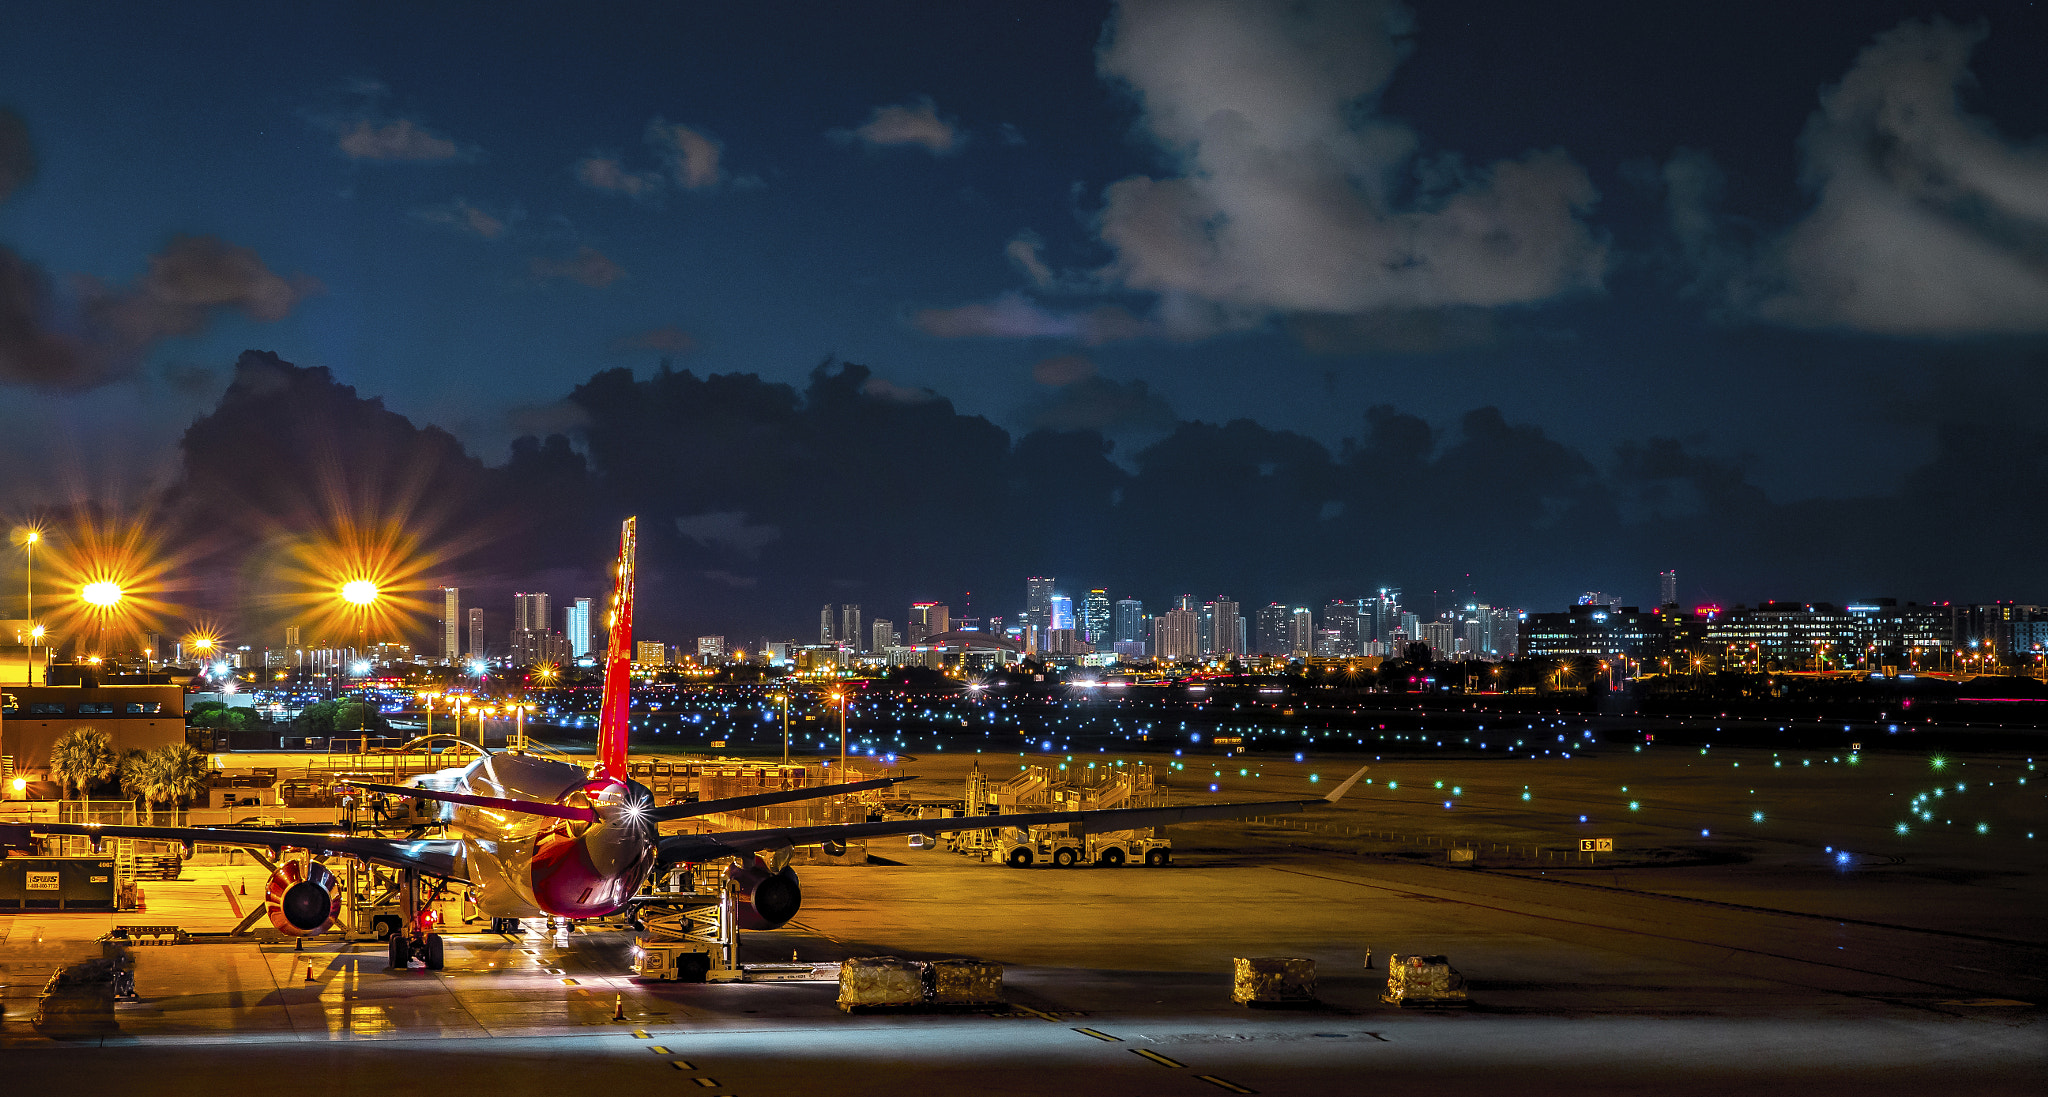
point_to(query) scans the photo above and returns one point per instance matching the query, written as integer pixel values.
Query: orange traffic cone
(245, 888)
(618, 1007)
(309, 974)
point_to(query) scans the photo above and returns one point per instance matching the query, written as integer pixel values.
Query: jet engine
(301, 898)
(763, 899)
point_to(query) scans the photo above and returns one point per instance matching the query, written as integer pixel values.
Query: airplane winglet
(1337, 793)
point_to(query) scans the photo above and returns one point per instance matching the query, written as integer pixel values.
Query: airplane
(533, 837)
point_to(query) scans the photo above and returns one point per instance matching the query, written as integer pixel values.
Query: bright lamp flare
(359, 592)
(103, 594)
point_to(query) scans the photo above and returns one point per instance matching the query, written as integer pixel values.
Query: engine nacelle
(763, 899)
(302, 898)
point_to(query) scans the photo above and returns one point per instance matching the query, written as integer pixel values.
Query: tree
(82, 758)
(138, 777)
(178, 773)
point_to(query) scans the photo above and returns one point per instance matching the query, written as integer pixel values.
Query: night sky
(1281, 301)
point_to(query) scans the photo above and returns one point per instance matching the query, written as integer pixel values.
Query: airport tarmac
(1765, 969)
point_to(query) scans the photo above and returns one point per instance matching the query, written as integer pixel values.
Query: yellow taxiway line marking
(568, 982)
(1156, 1057)
(707, 1083)
(1100, 1035)
(1038, 1014)
(680, 1065)
(641, 1034)
(657, 1049)
(1231, 1086)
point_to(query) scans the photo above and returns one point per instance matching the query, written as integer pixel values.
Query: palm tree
(179, 772)
(81, 758)
(138, 773)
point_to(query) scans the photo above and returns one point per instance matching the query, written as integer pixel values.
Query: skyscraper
(927, 619)
(825, 624)
(1095, 621)
(451, 624)
(1229, 632)
(1386, 616)
(530, 628)
(1173, 635)
(849, 626)
(576, 622)
(1301, 631)
(476, 632)
(1130, 621)
(1271, 638)
(1667, 587)
(530, 611)
(1059, 613)
(1037, 610)
(885, 634)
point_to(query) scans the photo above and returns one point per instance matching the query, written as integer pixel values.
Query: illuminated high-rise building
(1037, 609)
(1130, 621)
(1228, 630)
(477, 646)
(1271, 635)
(1301, 631)
(1095, 618)
(884, 633)
(1667, 587)
(451, 625)
(576, 623)
(825, 624)
(927, 619)
(1059, 613)
(1173, 635)
(849, 625)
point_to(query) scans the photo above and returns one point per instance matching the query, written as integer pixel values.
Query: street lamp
(841, 698)
(29, 537)
(103, 595)
(361, 593)
(784, 698)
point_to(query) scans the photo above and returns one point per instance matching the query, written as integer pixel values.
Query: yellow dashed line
(1156, 1057)
(568, 982)
(658, 1049)
(1231, 1086)
(641, 1034)
(707, 1083)
(1100, 1035)
(680, 1065)
(1036, 1013)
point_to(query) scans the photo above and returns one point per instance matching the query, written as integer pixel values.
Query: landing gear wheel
(1156, 858)
(511, 926)
(384, 926)
(401, 951)
(1019, 858)
(1112, 857)
(1064, 858)
(433, 953)
(692, 967)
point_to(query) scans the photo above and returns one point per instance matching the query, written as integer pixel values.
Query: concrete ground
(1750, 960)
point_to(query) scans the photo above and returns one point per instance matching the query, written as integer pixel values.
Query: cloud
(667, 339)
(17, 154)
(1926, 220)
(1289, 193)
(884, 389)
(608, 174)
(1100, 404)
(1015, 316)
(691, 155)
(728, 529)
(690, 160)
(400, 140)
(1023, 251)
(588, 267)
(915, 123)
(100, 332)
(1062, 369)
(462, 216)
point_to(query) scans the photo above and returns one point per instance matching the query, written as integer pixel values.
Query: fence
(1514, 852)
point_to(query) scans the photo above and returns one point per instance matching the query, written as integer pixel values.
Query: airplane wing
(763, 799)
(709, 847)
(436, 857)
(659, 815)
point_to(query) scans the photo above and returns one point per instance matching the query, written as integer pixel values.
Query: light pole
(103, 595)
(28, 542)
(841, 698)
(784, 698)
(429, 699)
(361, 593)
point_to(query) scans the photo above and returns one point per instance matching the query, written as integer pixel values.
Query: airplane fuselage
(530, 866)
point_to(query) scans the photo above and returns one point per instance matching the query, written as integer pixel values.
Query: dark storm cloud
(98, 333)
(1926, 220)
(759, 500)
(1102, 405)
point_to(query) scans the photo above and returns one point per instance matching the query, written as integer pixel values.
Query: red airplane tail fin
(612, 719)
